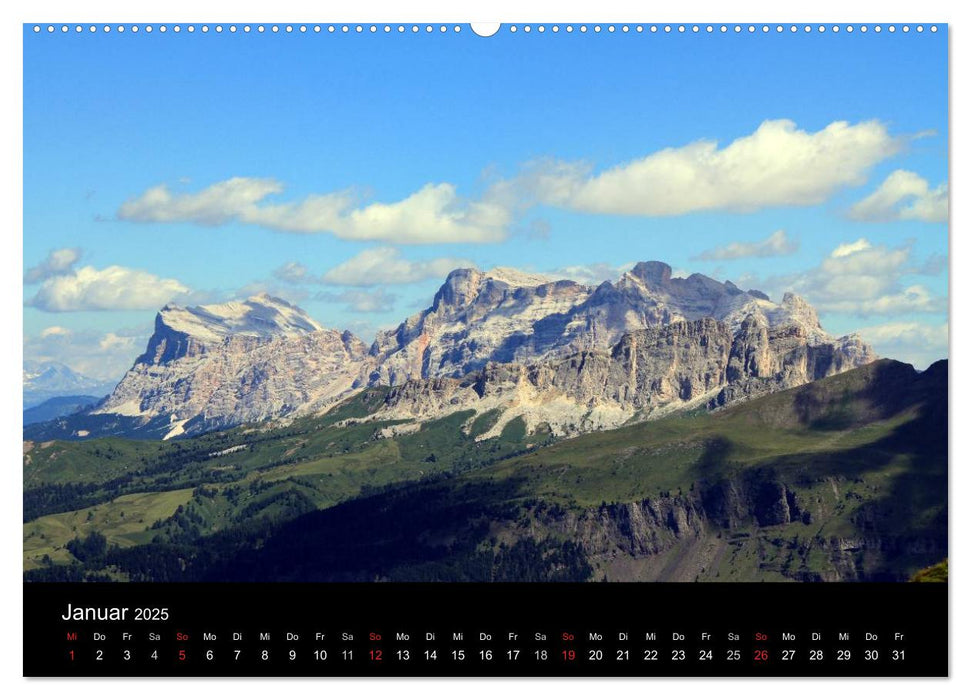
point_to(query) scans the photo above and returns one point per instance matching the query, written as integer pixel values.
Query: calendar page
(545, 349)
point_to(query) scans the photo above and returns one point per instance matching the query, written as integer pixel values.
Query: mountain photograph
(618, 315)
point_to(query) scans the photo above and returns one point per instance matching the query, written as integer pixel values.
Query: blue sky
(348, 172)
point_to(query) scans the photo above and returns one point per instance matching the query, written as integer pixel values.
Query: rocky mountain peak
(506, 315)
(460, 288)
(189, 331)
(517, 278)
(220, 365)
(260, 316)
(653, 273)
(800, 310)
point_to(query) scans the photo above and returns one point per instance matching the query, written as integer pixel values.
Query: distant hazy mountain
(564, 356)
(47, 380)
(57, 407)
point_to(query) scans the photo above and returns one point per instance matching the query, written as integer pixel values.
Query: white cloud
(293, 272)
(57, 262)
(915, 298)
(93, 353)
(917, 343)
(907, 331)
(377, 266)
(54, 331)
(217, 204)
(863, 258)
(903, 195)
(844, 249)
(777, 165)
(776, 245)
(433, 214)
(113, 341)
(862, 279)
(361, 300)
(112, 288)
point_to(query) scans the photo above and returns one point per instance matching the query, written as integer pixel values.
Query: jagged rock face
(557, 352)
(475, 318)
(766, 359)
(222, 365)
(481, 317)
(659, 531)
(647, 373)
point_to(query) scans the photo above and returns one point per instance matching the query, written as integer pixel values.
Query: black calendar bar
(498, 629)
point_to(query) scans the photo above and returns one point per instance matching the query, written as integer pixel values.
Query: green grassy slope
(234, 477)
(862, 458)
(845, 478)
(932, 574)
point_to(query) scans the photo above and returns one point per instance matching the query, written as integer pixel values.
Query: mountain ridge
(47, 380)
(261, 359)
(646, 374)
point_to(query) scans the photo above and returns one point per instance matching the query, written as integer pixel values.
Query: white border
(603, 11)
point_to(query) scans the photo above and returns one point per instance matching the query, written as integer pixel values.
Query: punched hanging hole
(485, 28)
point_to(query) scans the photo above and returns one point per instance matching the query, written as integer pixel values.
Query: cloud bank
(776, 245)
(294, 273)
(777, 165)
(433, 214)
(96, 354)
(110, 289)
(378, 266)
(57, 262)
(904, 195)
(863, 279)
(921, 343)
